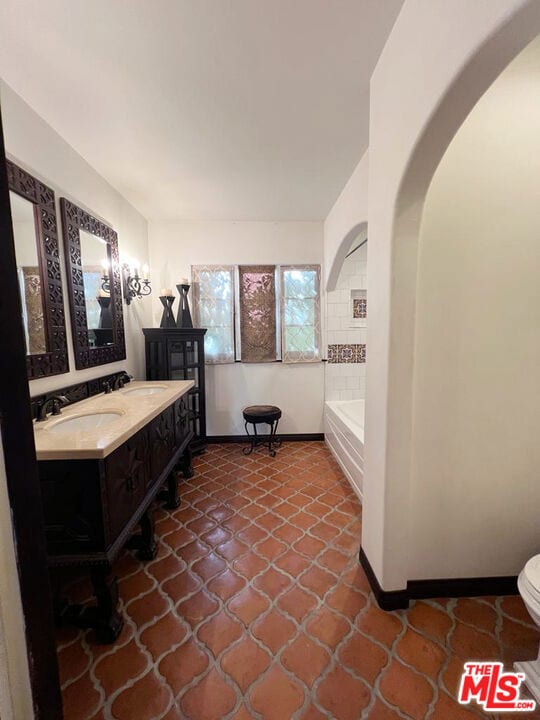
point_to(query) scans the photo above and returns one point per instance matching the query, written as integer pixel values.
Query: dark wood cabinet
(91, 507)
(162, 441)
(128, 473)
(178, 354)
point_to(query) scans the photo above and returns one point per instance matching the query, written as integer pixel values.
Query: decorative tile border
(353, 353)
(360, 308)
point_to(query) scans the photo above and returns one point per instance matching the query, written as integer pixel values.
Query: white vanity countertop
(134, 412)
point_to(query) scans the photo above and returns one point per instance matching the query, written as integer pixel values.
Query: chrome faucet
(55, 401)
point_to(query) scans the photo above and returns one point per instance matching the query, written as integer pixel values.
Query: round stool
(268, 414)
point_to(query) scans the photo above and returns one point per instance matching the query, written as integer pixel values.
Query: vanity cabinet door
(70, 493)
(162, 441)
(181, 418)
(127, 470)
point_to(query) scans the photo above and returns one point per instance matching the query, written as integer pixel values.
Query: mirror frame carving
(75, 219)
(55, 360)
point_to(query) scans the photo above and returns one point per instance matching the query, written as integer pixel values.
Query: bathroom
(383, 531)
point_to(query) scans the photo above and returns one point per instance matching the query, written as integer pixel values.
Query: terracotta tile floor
(256, 607)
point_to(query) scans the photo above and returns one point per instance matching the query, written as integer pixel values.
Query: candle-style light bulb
(145, 271)
(105, 266)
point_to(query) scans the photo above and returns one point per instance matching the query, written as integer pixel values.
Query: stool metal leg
(276, 443)
(248, 450)
(255, 439)
(271, 438)
(271, 451)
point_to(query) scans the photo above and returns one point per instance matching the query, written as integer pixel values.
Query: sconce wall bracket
(133, 285)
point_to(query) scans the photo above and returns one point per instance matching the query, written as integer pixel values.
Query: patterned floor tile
(256, 607)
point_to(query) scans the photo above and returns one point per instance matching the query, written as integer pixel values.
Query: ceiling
(204, 109)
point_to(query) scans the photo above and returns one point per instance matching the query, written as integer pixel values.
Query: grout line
(310, 474)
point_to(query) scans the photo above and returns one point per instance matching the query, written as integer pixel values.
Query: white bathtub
(344, 434)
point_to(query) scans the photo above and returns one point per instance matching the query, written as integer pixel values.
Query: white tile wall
(346, 381)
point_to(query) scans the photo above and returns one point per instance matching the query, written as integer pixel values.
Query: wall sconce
(135, 285)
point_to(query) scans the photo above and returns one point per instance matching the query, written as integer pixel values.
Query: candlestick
(105, 315)
(167, 319)
(183, 319)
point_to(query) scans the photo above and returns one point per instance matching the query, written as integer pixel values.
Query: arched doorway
(389, 419)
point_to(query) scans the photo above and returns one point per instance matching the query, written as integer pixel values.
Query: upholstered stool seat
(257, 414)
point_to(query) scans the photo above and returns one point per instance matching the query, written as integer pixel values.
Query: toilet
(529, 588)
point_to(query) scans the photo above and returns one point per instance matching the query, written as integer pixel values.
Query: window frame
(288, 357)
(298, 356)
(220, 358)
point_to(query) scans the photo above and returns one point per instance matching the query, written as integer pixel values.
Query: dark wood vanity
(92, 506)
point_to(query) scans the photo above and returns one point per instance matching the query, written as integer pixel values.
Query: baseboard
(463, 587)
(295, 437)
(387, 600)
(439, 587)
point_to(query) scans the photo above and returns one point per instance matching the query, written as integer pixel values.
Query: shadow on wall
(358, 232)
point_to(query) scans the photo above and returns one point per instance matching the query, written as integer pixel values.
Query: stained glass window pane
(257, 312)
(213, 308)
(300, 313)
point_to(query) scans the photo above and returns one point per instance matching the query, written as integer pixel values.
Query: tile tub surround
(351, 353)
(136, 411)
(345, 373)
(256, 607)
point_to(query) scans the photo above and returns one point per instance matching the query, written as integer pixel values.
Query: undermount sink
(149, 390)
(78, 423)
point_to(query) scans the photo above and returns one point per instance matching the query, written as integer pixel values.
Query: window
(257, 300)
(275, 309)
(213, 308)
(300, 313)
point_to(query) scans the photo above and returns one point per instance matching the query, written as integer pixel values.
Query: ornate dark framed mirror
(95, 295)
(35, 231)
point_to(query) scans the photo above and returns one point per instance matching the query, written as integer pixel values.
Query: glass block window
(257, 286)
(213, 308)
(300, 313)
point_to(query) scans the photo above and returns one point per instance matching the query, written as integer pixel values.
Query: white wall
(439, 59)
(346, 381)
(34, 145)
(347, 217)
(476, 456)
(297, 389)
